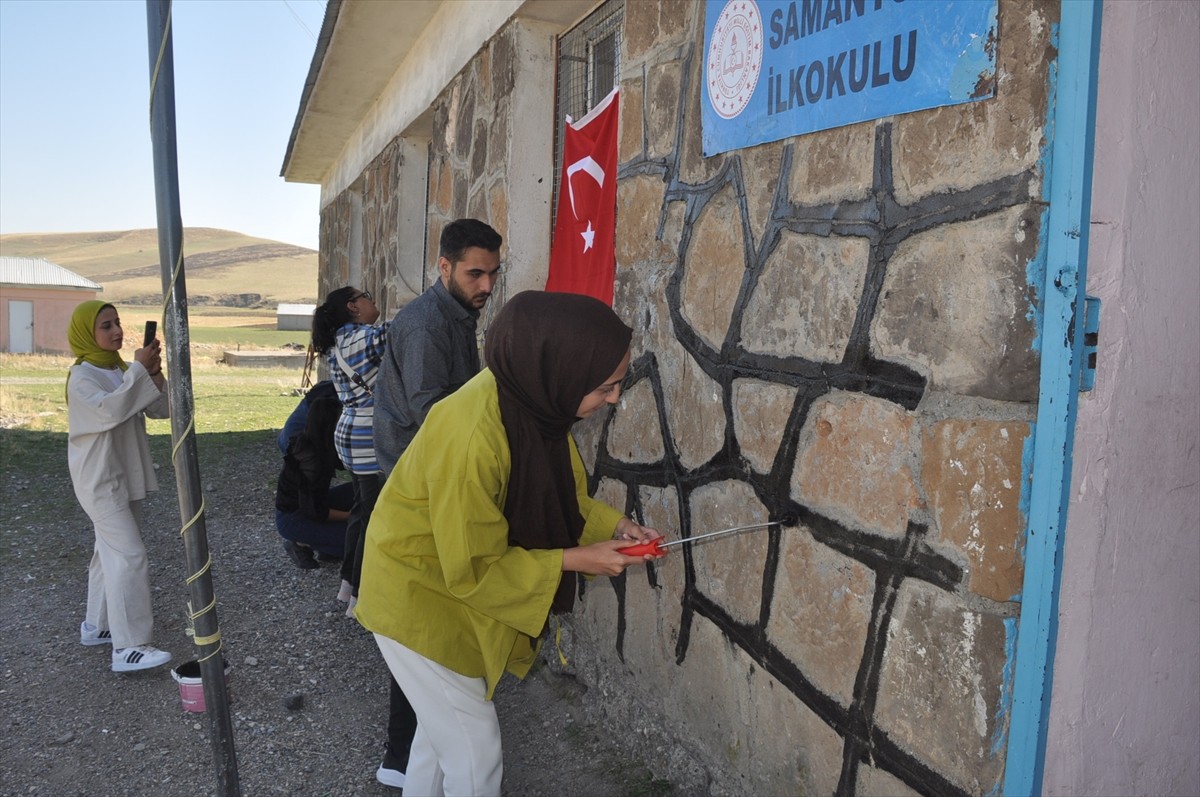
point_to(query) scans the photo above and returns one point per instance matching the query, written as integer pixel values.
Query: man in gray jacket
(431, 352)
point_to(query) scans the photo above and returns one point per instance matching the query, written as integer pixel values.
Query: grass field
(225, 399)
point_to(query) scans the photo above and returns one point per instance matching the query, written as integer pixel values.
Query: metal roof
(36, 271)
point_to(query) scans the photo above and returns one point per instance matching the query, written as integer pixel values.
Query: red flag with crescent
(583, 254)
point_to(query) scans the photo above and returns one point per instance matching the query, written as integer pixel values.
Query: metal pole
(202, 608)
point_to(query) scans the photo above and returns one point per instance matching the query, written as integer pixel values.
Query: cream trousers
(119, 579)
(456, 751)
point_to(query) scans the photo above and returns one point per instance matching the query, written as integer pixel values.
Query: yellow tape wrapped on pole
(204, 628)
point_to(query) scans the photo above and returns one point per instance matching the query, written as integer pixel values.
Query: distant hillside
(221, 267)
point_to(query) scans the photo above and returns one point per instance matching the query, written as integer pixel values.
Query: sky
(75, 149)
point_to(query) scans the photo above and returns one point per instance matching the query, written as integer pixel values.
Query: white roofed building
(37, 298)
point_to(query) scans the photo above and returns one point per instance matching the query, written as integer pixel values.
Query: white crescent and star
(588, 166)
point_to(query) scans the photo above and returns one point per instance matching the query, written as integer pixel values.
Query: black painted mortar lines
(886, 224)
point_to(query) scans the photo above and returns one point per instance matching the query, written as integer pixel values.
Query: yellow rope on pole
(162, 49)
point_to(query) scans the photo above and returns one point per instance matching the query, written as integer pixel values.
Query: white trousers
(456, 751)
(119, 579)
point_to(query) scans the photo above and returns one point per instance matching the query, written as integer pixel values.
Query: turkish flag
(583, 255)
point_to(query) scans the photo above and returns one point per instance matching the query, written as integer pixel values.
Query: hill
(220, 267)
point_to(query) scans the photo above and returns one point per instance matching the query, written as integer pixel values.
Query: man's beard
(460, 295)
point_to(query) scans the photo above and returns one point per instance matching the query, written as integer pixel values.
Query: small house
(294, 316)
(37, 298)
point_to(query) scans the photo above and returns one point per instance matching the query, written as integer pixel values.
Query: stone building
(876, 329)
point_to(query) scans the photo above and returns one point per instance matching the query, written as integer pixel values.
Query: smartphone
(151, 331)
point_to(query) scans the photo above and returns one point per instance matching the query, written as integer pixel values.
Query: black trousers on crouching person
(402, 727)
(366, 491)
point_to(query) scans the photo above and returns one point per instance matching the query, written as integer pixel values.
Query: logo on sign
(735, 57)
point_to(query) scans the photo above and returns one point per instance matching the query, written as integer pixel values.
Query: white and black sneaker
(91, 635)
(139, 657)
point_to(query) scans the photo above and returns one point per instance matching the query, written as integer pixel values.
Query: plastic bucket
(191, 685)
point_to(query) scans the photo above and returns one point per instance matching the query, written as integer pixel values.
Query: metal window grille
(589, 63)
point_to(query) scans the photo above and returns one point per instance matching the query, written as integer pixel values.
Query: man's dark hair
(460, 235)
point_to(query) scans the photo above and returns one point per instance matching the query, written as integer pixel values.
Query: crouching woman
(481, 527)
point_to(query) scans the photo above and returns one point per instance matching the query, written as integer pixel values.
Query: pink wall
(1125, 712)
(52, 308)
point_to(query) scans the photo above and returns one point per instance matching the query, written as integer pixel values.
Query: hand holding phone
(151, 331)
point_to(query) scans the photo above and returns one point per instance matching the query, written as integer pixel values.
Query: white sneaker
(389, 777)
(139, 657)
(91, 635)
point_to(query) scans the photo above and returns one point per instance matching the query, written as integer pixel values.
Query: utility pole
(202, 609)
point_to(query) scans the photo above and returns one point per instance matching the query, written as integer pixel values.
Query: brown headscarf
(547, 351)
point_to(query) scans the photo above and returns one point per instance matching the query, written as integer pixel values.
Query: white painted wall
(1125, 709)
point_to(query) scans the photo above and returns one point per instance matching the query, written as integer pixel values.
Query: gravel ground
(70, 726)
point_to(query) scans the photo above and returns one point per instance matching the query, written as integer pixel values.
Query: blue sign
(779, 68)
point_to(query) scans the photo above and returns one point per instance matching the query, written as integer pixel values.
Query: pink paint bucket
(191, 685)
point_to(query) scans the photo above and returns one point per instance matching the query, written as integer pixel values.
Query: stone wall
(837, 328)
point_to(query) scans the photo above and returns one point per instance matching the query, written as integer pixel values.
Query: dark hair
(323, 415)
(459, 236)
(328, 318)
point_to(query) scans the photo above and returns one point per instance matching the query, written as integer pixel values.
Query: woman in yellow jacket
(480, 520)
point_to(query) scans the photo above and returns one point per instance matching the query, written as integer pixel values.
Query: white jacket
(107, 449)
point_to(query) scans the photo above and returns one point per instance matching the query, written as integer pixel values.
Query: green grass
(225, 399)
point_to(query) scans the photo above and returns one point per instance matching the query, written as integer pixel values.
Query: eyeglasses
(363, 295)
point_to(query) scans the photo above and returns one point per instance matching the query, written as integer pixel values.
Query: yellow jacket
(438, 574)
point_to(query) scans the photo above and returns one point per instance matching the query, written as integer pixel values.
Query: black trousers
(366, 492)
(402, 726)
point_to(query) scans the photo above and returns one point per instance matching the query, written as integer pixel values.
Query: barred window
(589, 63)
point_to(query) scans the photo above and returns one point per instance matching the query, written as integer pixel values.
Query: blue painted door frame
(1071, 124)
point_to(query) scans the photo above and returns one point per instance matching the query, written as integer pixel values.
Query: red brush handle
(653, 547)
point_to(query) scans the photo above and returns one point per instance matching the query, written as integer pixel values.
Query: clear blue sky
(75, 152)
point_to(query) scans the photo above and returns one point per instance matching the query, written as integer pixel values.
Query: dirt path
(69, 726)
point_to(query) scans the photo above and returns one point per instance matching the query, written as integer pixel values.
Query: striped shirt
(361, 346)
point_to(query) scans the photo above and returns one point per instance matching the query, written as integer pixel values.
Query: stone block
(760, 413)
(760, 174)
(662, 108)
(790, 750)
(611, 492)
(631, 142)
(477, 204)
(956, 306)
(941, 686)
(832, 165)
(498, 146)
(479, 149)
(639, 31)
(972, 474)
(661, 510)
(459, 202)
(821, 612)
(503, 69)
(715, 266)
(694, 168)
(465, 116)
(702, 697)
(676, 20)
(639, 207)
(695, 412)
(982, 141)
(759, 737)
(856, 462)
(635, 434)
(729, 570)
(651, 629)
(874, 782)
(498, 208)
(807, 297)
(444, 193)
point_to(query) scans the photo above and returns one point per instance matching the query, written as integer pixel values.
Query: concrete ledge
(268, 358)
